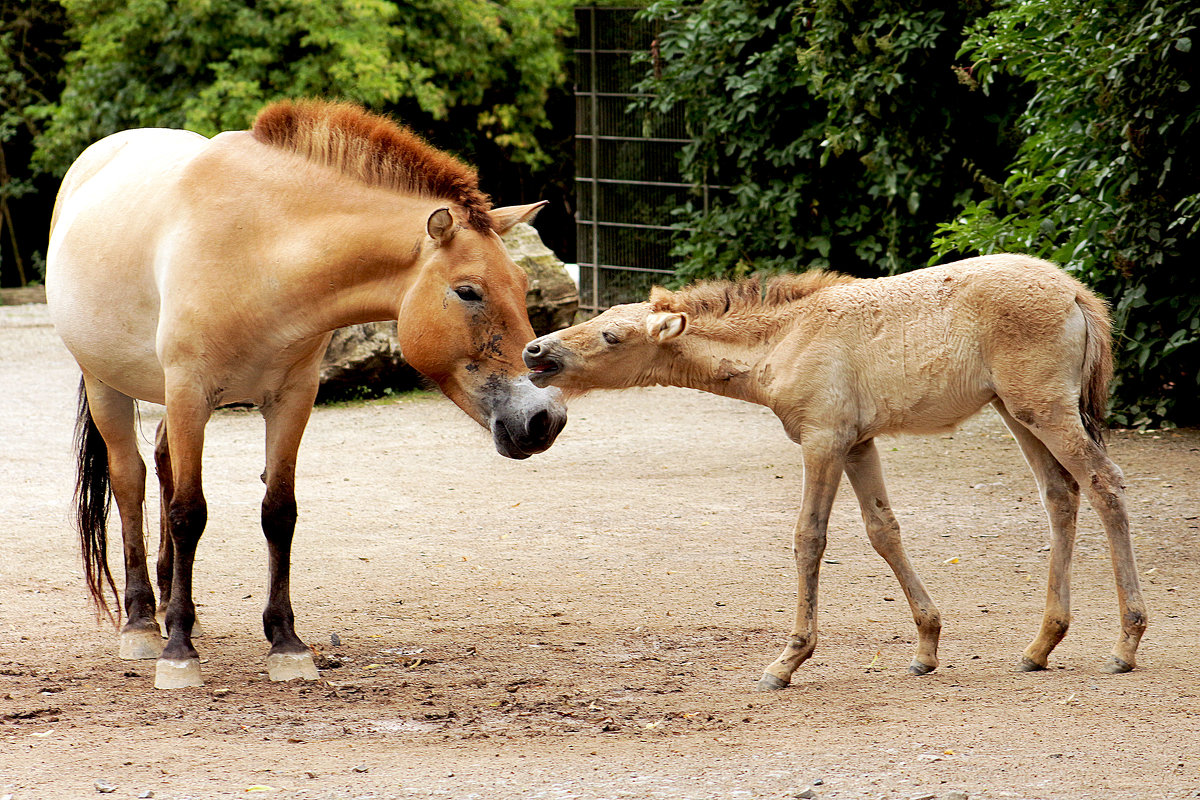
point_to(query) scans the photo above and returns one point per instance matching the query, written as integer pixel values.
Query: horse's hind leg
(866, 476)
(114, 415)
(188, 413)
(1060, 429)
(286, 418)
(1060, 497)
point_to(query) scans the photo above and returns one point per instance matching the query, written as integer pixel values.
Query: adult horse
(196, 273)
(841, 361)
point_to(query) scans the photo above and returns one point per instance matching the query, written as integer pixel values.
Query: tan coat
(841, 361)
(195, 273)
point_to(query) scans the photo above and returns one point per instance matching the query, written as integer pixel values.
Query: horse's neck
(357, 273)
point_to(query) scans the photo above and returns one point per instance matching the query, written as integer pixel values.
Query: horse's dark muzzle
(528, 422)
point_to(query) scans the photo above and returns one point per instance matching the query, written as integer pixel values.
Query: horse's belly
(100, 285)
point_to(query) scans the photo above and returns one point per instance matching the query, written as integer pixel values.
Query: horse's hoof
(1116, 666)
(291, 667)
(770, 683)
(917, 668)
(170, 673)
(1027, 664)
(140, 645)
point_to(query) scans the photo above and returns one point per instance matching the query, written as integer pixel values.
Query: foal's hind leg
(115, 417)
(286, 419)
(866, 476)
(1062, 432)
(1060, 497)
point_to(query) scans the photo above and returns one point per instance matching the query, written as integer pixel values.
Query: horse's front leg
(286, 417)
(866, 476)
(179, 665)
(823, 461)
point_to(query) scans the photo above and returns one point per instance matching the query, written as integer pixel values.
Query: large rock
(365, 360)
(553, 298)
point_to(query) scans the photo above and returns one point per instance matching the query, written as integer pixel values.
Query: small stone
(105, 788)
(360, 769)
(146, 794)
(335, 640)
(925, 797)
(819, 782)
(956, 796)
(807, 794)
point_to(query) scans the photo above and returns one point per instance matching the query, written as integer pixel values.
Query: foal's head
(622, 347)
(463, 323)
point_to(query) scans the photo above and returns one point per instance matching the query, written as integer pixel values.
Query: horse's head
(463, 323)
(622, 347)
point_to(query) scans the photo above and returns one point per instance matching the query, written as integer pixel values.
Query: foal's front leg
(866, 476)
(823, 462)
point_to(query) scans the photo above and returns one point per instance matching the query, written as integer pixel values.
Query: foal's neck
(720, 366)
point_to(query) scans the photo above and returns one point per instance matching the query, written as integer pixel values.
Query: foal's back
(920, 352)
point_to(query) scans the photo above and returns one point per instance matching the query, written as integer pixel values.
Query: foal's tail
(93, 498)
(1097, 365)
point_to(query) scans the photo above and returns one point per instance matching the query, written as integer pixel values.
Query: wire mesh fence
(627, 177)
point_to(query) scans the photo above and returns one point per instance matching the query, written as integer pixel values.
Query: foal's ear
(664, 326)
(504, 218)
(440, 226)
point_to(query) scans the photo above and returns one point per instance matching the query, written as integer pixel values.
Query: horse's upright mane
(374, 150)
(721, 298)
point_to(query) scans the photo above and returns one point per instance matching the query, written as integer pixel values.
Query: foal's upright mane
(747, 308)
(374, 150)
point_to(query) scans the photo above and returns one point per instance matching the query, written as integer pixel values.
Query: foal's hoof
(1115, 666)
(170, 673)
(770, 683)
(1027, 664)
(142, 644)
(918, 668)
(291, 667)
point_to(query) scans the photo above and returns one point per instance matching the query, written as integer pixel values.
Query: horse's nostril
(539, 426)
(533, 349)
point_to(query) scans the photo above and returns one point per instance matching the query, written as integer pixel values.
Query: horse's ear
(504, 218)
(440, 226)
(663, 326)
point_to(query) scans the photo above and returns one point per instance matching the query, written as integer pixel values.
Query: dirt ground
(589, 623)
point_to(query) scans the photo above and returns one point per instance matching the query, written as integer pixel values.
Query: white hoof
(170, 673)
(291, 667)
(140, 645)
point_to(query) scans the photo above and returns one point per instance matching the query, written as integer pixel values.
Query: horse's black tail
(93, 498)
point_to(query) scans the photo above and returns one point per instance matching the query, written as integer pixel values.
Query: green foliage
(31, 38)
(834, 130)
(1105, 181)
(208, 65)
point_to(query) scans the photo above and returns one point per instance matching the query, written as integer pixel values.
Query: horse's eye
(611, 337)
(468, 294)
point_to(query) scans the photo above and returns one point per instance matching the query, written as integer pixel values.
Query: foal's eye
(611, 337)
(468, 294)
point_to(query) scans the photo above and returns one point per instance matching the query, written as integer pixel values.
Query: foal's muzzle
(527, 419)
(542, 361)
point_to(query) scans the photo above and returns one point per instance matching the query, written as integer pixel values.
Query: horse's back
(114, 207)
